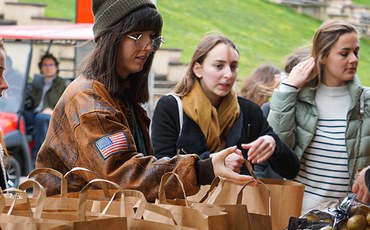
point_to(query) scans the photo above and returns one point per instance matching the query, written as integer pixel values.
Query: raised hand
(261, 149)
(300, 73)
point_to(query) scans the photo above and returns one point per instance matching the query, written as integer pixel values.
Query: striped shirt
(324, 170)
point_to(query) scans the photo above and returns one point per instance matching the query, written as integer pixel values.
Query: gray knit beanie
(108, 12)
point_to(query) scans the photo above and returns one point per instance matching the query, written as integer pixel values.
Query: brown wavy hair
(258, 87)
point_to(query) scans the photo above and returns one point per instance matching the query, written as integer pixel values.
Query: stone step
(4, 22)
(162, 91)
(160, 77)
(163, 84)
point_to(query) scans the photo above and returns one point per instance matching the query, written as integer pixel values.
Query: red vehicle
(21, 43)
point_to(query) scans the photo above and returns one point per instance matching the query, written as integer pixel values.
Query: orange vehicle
(24, 44)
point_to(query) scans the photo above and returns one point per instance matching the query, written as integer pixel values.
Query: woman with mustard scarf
(214, 118)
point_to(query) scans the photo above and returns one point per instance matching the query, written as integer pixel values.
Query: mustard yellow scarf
(215, 123)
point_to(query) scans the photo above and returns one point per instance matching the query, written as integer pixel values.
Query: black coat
(250, 125)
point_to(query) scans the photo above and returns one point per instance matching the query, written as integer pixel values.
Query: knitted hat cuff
(108, 12)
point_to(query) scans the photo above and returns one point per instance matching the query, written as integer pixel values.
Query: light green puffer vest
(293, 116)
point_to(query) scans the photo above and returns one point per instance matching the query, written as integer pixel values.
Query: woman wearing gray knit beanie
(99, 122)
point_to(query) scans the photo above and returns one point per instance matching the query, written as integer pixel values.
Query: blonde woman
(322, 112)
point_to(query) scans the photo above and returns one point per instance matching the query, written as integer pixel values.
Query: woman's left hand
(261, 149)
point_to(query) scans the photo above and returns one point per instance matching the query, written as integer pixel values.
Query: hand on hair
(261, 149)
(300, 73)
(220, 169)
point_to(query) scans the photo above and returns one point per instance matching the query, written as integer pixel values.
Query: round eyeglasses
(142, 43)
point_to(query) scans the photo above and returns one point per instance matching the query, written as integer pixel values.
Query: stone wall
(333, 9)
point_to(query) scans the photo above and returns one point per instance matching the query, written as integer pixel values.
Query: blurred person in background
(41, 97)
(293, 59)
(258, 86)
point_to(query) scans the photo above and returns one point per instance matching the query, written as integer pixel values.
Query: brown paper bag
(123, 204)
(12, 222)
(131, 213)
(287, 197)
(69, 201)
(229, 196)
(72, 217)
(81, 218)
(9, 218)
(205, 216)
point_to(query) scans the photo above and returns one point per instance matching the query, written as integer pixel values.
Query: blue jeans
(40, 129)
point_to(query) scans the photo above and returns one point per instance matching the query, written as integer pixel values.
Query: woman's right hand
(359, 187)
(221, 170)
(235, 161)
(300, 73)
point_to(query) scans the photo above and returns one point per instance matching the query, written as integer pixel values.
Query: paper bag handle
(217, 186)
(162, 193)
(21, 195)
(122, 193)
(161, 211)
(103, 186)
(213, 186)
(83, 196)
(30, 183)
(63, 182)
(250, 168)
(240, 194)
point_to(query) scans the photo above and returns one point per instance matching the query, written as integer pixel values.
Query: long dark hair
(101, 64)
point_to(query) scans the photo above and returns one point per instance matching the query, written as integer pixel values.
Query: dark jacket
(84, 115)
(250, 125)
(34, 94)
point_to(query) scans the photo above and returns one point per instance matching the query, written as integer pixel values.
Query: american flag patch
(112, 144)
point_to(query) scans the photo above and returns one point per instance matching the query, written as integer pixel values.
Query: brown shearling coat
(85, 113)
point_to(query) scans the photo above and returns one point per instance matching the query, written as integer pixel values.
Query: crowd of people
(312, 130)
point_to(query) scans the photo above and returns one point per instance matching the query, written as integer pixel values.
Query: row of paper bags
(218, 206)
